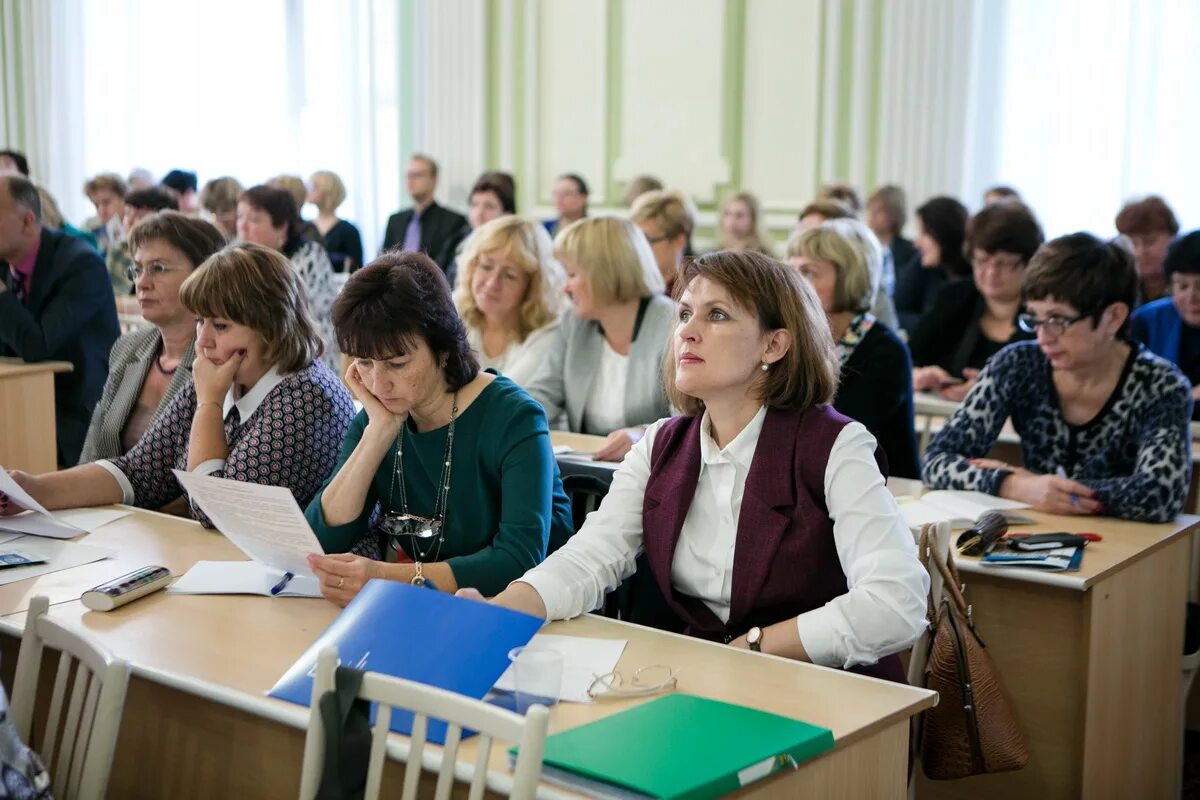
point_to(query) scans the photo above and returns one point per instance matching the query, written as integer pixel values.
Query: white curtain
(1098, 104)
(41, 110)
(248, 89)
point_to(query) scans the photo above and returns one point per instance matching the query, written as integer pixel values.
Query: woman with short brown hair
(762, 512)
(261, 407)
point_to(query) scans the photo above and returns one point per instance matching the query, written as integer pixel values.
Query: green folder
(679, 746)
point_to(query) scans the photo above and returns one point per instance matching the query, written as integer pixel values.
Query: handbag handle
(951, 583)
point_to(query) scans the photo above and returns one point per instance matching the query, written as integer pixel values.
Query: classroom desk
(27, 434)
(197, 723)
(579, 461)
(1092, 661)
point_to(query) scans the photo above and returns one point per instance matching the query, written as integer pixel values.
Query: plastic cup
(537, 677)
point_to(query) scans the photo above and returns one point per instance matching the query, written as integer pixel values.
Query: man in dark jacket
(426, 227)
(56, 304)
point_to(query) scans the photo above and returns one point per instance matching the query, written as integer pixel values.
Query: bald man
(56, 304)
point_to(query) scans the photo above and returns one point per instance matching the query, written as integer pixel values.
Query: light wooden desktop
(1092, 660)
(28, 440)
(198, 722)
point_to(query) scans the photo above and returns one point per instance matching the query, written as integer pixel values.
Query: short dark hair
(1147, 215)
(24, 192)
(152, 198)
(396, 300)
(945, 220)
(1184, 256)
(19, 159)
(194, 237)
(1004, 192)
(180, 181)
(279, 205)
(433, 167)
(500, 184)
(1087, 273)
(1009, 226)
(844, 193)
(579, 182)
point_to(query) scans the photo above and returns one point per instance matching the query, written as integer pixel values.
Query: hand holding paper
(66, 524)
(265, 522)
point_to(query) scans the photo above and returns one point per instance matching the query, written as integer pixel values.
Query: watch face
(754, 636)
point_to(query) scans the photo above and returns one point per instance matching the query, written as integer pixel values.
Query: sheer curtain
(1097, 105)
(249, 89)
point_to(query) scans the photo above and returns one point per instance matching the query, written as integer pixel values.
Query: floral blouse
(312, 264)
(286, 431)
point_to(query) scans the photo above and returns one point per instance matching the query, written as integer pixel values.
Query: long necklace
(426, 528)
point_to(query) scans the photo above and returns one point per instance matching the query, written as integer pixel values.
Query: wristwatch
(754, 639)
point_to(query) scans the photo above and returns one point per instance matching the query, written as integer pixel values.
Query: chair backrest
(78, 750)
(585, 492)
(459, 712)
(939, 538)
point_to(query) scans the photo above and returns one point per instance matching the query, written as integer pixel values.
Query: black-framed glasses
(1054, 324)
(397, 526)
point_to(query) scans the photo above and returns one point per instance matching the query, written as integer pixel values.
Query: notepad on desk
(679, 746)
(1062, 559)
(242, 577)
(961, 508)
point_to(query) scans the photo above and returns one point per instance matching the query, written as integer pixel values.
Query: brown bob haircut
(257, 287)
(807, 375)
(1147, 215)
(394, 302)
(195, 238)
(1086, 273)
(1009, 226)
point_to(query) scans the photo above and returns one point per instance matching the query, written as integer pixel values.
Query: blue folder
(425, 636)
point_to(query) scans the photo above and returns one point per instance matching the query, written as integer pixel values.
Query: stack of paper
(65, 524)
(54, 556)
(582, 660)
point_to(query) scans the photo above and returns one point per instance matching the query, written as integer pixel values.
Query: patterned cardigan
(130, 360)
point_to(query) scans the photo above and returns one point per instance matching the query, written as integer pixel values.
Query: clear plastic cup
(537, 677)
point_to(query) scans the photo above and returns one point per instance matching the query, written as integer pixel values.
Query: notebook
(420, 634)
(960, 507)
(678, 746)
(1062, 559)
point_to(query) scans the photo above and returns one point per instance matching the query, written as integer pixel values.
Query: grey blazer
(567, 379)
(128, 364)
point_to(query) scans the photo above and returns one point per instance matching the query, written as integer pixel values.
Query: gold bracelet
(207, 403)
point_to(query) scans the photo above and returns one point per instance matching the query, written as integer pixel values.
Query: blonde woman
(510, 296)
(342, 240)
(667, 219)
(739, 225)
(604, 370)
(874, 384)
(219, 199)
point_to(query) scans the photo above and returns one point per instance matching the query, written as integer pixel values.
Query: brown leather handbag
(973, 729)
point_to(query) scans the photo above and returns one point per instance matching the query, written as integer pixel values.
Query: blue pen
(1062, 473)
(283, 582)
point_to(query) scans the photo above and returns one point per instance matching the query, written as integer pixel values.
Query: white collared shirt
(883, 610)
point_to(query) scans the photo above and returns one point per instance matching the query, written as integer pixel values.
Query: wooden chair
(81, 757)
(460, 712)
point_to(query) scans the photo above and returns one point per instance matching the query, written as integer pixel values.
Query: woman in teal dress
(447, 472)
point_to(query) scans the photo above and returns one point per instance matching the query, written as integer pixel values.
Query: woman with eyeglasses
(447, 475)
(260, 408)
(1103, 421)
(1170, 326)
(148, 366)
(973, 320)
(762, 512)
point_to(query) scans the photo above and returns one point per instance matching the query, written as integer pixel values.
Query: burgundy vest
(785, 561)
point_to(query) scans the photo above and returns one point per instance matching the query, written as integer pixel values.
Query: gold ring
(341, 582)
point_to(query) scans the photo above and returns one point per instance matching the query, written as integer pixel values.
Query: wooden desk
(197, 722)
(1092, 660)
(27, 433)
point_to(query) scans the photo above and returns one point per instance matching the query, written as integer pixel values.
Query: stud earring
(765, 366)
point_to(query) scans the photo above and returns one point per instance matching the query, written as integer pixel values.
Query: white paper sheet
(58, 555)
(265, 522)
(240, 577)
(64, 524)
(583, 660)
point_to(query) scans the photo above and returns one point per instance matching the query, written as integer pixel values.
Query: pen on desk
(1062, 473)
(283, 582)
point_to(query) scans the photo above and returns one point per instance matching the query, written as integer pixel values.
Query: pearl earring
(765, 366)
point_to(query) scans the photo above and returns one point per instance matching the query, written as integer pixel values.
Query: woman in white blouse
(794, 548)
(509, 295)
(604, 370)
